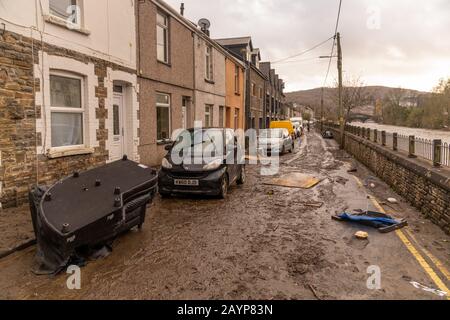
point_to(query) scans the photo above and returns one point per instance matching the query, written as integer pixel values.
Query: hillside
(312, 97)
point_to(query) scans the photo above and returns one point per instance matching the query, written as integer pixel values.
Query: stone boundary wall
(425, 187)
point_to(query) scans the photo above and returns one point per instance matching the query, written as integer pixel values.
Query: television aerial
(204, 24)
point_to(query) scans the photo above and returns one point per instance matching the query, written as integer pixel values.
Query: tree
(354, 94)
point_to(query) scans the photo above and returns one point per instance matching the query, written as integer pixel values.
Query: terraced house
(68, 95)
(166, 76)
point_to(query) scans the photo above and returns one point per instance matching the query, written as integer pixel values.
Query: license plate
(186, 182)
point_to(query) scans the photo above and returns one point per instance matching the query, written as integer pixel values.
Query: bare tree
(354, 94)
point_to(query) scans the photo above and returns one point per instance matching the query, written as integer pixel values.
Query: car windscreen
(210, 141)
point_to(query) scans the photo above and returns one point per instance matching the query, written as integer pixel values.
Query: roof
(234, 41)
(265, 68)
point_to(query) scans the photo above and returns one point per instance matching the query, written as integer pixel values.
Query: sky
(397, 43)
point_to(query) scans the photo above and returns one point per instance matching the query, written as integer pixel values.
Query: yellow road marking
(435, 260)
(423, 263)
(426, 267)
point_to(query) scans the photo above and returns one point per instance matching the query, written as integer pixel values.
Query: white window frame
(73, 25)
(210, 113)
(165, 27)
(209, 63)
(81, 110)
(163, 105)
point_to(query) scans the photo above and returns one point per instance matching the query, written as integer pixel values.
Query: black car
(204, 162)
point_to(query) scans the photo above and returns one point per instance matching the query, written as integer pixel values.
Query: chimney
(182, 9)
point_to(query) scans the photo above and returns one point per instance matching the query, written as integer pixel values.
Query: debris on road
(313, 204)
(362, 235)
(380, 221)
(392, 200)
(294, 180)
(352, 170)
(310, 286)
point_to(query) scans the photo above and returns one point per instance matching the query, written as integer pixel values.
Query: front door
(117, 145)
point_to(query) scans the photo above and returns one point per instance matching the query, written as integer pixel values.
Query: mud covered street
(263, 242)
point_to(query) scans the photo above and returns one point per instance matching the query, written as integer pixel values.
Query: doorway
(117, 149)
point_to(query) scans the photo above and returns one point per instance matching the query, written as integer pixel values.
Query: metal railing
(436, 151)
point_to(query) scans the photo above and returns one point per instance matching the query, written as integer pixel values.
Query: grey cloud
(412, 43)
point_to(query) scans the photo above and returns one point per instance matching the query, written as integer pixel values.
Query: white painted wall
(109, 27)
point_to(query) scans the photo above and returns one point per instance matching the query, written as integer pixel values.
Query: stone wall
(20, 165)
(425, 187)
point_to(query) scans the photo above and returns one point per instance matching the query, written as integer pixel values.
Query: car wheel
(224, 187)
(283, 151)
(242, 177)
(164, 195)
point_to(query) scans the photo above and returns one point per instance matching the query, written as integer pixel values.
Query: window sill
(67, 152)
(210, 81)
(64, 24)
(164, 143)
(167, 64)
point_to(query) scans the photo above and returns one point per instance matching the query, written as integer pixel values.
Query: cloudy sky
(399, 43)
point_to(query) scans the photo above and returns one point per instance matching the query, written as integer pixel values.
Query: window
(209, 116)
(64, 9)
(67, 113)
(236, 118)
(261, 93)
(253, 90)
(116, 120)
(209, 63)
(221, 117)
(236, 80)
(162, 117)
(162, 37)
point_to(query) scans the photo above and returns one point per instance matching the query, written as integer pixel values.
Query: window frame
(77, 23)
(210, 113)
(253, 89)
(209, 63)
(166, 29)
(69, 110)
(163, 105)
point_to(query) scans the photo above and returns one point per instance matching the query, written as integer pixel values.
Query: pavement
(262, 242)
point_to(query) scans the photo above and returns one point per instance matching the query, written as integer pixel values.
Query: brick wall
(425, 187)
(20, 165)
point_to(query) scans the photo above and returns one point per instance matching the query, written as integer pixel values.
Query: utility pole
(321, 112)
(341, 107)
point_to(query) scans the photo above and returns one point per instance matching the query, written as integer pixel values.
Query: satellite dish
(204, 24)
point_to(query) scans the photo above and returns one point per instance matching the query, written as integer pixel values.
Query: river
(420, 133)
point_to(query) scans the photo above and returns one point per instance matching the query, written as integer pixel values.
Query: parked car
(197, 174)
(328, 134)
(276, 141)
(284, 125)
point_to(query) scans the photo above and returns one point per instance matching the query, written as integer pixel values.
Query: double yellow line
(415, 252)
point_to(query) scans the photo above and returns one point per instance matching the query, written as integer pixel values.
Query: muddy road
(263, 242)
